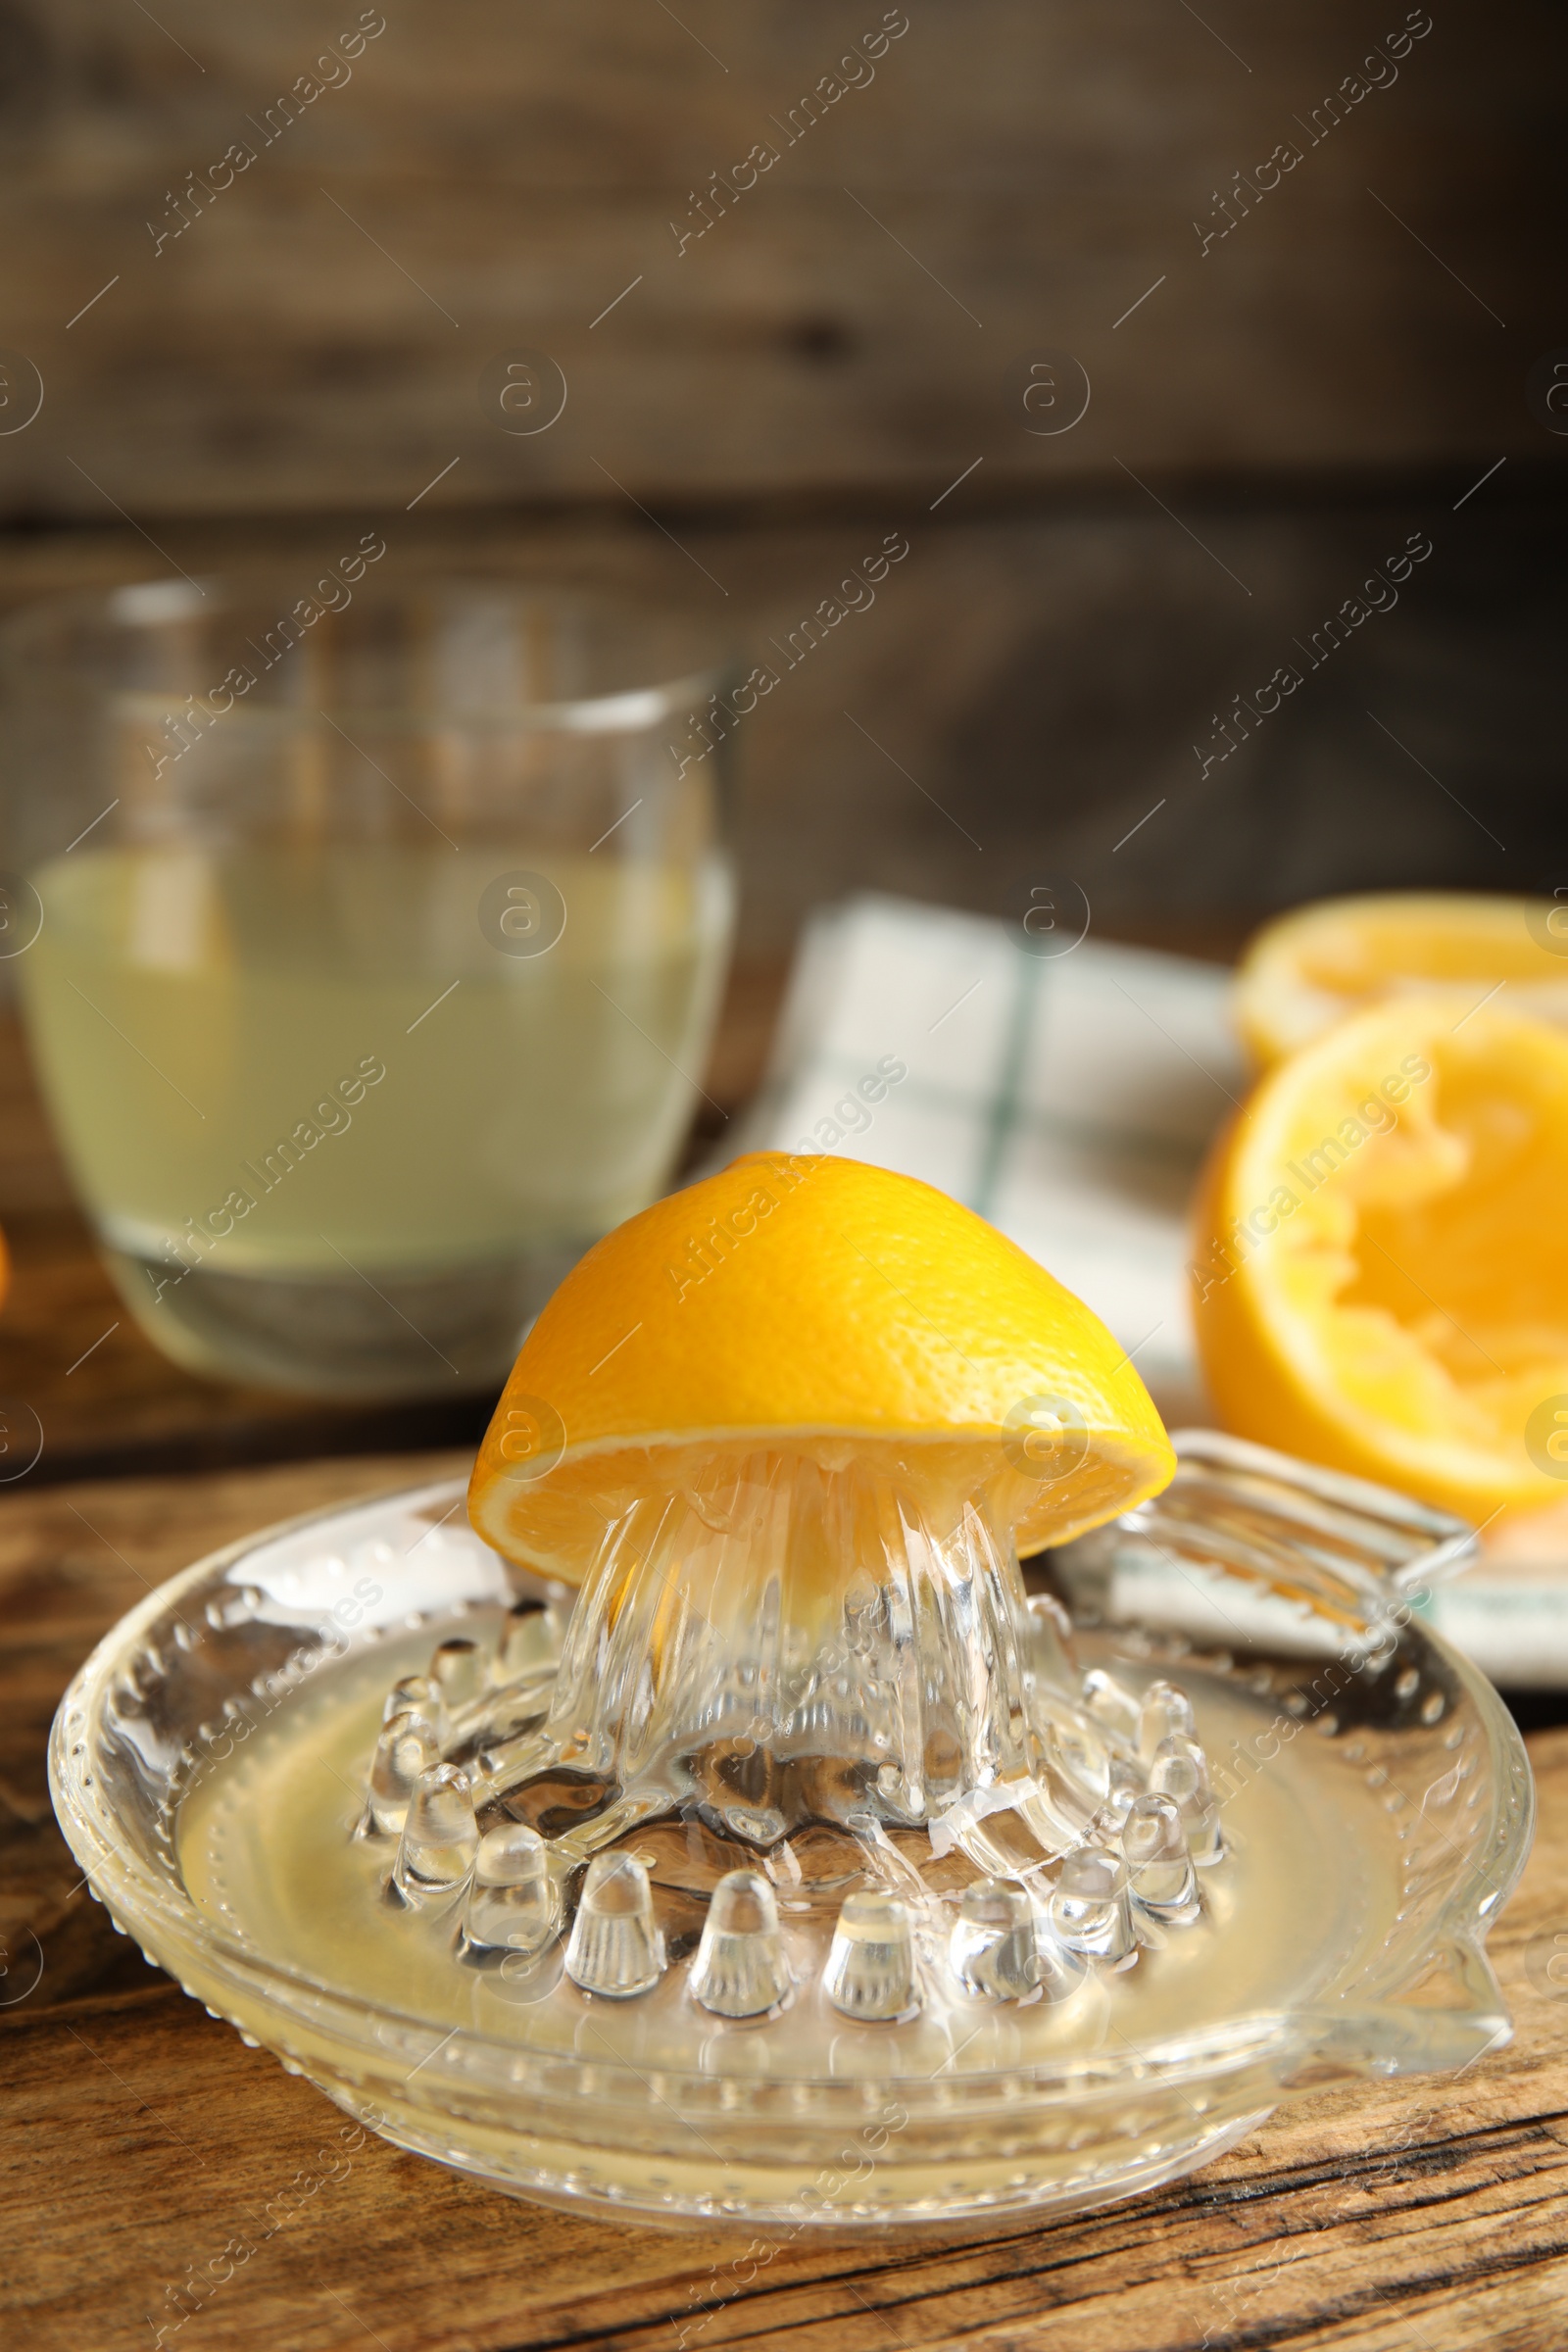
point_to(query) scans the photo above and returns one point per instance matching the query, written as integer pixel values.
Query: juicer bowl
(1374, 1792)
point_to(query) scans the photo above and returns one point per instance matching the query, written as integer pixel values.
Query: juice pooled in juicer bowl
(723, 1826)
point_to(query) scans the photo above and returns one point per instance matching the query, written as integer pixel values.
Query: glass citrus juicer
(722, 1825)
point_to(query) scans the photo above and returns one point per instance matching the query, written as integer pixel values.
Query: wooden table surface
(138, 2136)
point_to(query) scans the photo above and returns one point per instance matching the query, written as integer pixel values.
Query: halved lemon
(1311, 968)
(1380, 1255)
(812, 1309)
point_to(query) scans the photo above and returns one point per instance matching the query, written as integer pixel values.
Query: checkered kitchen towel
(1068, 1096)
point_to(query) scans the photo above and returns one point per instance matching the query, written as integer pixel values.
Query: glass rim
(26, 633)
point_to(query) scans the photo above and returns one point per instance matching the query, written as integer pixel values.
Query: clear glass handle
(1232, 1503)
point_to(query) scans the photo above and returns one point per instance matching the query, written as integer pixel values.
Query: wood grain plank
(505, 175)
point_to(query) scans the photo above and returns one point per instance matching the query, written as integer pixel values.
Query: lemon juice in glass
(381, 980)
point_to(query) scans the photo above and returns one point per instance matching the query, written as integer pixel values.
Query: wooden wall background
(521, 161)
(849, 339)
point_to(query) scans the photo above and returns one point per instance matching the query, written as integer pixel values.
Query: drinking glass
(371, 944)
